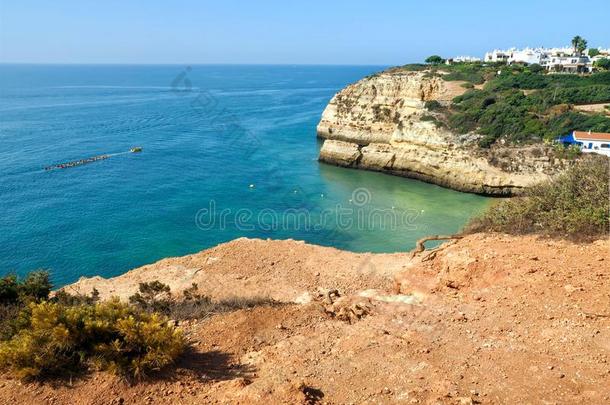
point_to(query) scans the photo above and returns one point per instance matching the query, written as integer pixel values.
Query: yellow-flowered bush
(109, 335)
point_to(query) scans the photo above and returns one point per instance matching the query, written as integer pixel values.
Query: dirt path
(593, 108)
(489, 319)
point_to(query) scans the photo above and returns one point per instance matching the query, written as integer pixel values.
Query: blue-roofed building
(589, 142)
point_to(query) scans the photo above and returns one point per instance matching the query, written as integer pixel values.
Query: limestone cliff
(381, 123)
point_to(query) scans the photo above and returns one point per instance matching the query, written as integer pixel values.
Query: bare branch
(420, 245)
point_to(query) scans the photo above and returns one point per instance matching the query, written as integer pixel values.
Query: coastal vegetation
(603, 64)
(44, 335)
(573, 205)
(435, 60)
(519, 104)
(156, 297)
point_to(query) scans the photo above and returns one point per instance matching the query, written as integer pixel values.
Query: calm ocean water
(229, 151)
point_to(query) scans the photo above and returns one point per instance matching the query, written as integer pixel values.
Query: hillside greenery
(574, 205)
(519, 104)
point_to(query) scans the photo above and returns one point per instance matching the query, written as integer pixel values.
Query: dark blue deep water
(228, 151)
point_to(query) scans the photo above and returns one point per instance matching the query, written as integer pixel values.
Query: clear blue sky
(385, 32)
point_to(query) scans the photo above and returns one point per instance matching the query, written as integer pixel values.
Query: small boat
(136, 149)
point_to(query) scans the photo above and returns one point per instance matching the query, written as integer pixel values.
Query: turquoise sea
(228, 151)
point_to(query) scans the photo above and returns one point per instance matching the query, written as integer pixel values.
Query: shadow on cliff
(212, 366)
(207, 366)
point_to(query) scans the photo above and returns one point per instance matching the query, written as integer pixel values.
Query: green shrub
(593, 52)
(9, 289)
(71, 333)
(15, 294)
(433, 105)
(34, 287)
(537, 80)
(568, 121)
(432, 119)
(196, 306)
(566, 152)
(435, 60)
(153, 296)
(603, 64)
(535, 68)
(110, 335)
(598, 93)
(411, 67)
(574, 205)
(471, 77)
(43, 336)
(64, 298)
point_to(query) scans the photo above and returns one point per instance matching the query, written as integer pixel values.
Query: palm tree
(575, 42)
(582, 45)
(579, 44)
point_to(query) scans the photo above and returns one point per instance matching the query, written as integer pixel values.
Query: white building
(562, 59)
(567, 64)
(589, 142)
(466, 59)
(514, 55)
(498, 55)
(527, 55)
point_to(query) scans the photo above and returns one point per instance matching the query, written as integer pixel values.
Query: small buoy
(251, 185)
(350, 200)
(295, 191)
(322, 195)
(423, 211)
(392, 207)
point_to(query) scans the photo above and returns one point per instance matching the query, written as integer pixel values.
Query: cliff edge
(381, 123)
(490, 319)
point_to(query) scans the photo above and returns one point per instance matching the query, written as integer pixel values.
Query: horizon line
(196, 64)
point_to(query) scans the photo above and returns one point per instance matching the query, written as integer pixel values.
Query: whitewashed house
(560, 60)
(527, 55)
(466, 59)
(566, 63)
(498, 56)
(589, 142)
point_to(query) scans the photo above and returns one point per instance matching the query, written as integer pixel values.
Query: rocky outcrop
(381, 123)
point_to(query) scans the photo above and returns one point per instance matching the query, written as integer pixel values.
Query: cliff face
(381, 123)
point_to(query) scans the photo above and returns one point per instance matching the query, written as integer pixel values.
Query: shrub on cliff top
(45, 336)
(35, 286)
(573, 205)
(434, 60)
(153, 296)
(111, 335)
(433, 105)
(15, 294)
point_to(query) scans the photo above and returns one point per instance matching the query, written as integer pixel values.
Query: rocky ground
(487, 319)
